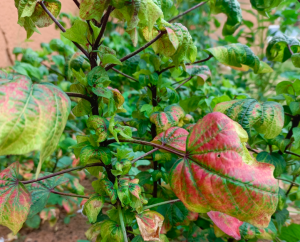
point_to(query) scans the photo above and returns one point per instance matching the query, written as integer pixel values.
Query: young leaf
(33, 117)
(239, 57)
(266, 118)
(226, 223)
(277, 49)
(296, 59)
(174, 137)
(15, 200)
(150, 223)
(40, 192)
(249, 231)
(217, 156)
(92, 9)
(275, 159)
(110, 59)
(233, 11)
(93, 207)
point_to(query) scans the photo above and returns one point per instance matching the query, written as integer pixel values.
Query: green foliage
(171, 144)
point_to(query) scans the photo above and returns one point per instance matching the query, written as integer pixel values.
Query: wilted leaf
(15, 200)
(239, 57)
(233, 11)
(219, 165)
(93, 207)
(226, 223)
(33, 117)
(150, 223)
(267, 118)
(174, 137)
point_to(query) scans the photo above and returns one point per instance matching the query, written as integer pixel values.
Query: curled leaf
(233, 11)
(15, 200)
(277, 49)
(218, 168)
(239, 57)
(202, 73)
(150, 223)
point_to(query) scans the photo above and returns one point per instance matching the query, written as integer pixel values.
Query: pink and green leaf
(15, 200)
(100, 125)
(174, 137)
(202, 73)
(249, 231)
(33, 117)
(226, 223)
(218, 168)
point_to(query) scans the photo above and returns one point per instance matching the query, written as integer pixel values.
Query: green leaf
(92, 9)
(290, 233)
(267, 118)
(296, 135)
(80, 76)
(116, 129)
(239, 57)
(173, 213)
(98, 75)
(110, 59)
(264, 7)
(275, 159)
(90, 154)
(33, 222)
(100, 125)
(277, 49)
(249, 231)
(295, 107)
(296, 60)
(281, 142)
(40, 192)
(93, 207)
(280, 218)
(285, 87)
(15, 199)
(218, 163)
(35, 119)
(190, 104)
(233, 12)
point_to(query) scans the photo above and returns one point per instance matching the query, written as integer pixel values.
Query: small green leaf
(80, 76)
(110, 59)
(93, 207)
(290, 233)
(15, 199)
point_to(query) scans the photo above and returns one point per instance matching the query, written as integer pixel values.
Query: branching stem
(62, 28)
(162, 203)
(187, 11)
(73, 94)
(189, 78)
(144, 155)
(123, 74)
(68, 194)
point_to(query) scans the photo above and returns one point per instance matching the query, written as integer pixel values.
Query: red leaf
(15, 200)
(219, 174)
(226, 223)
(174, 137)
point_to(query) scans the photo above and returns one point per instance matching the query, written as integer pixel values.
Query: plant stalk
(187, 11)
(123, 74)
(144, 155)
(69, 194)
(122, 223)
(162, 203)
(73, 94)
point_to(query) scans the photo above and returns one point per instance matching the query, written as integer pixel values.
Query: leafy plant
(215, 154)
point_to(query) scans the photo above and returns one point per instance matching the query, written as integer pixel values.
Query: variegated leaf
(33, 117)
(15, 200)
(219, 168)
(174, 137)
(93, 207)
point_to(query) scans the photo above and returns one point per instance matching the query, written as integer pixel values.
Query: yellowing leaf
(33, 117)
(15, 200)
(150, 223)
(92, 9)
